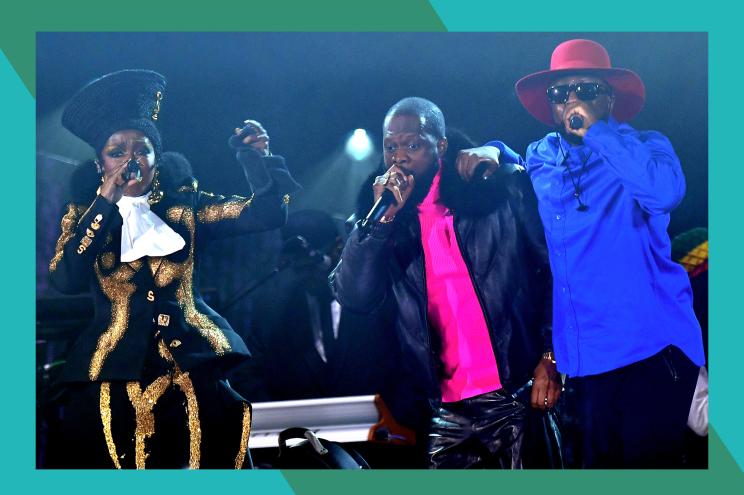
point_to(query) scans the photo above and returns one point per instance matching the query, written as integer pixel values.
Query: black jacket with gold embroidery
(135, 300)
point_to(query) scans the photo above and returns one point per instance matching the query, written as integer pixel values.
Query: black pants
(484, 431)
(210, 437)
(167, 419)
(636, 416)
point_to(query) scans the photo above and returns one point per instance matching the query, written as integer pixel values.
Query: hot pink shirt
(453, 307)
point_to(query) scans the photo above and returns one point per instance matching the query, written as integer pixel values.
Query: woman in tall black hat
(145, 381)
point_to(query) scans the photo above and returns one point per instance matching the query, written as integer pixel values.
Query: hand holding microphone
(251, 135)
(578, 119)
(116, 180)
(392, 190)
(132, 168)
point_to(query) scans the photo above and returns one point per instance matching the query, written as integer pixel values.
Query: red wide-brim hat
(582, 56)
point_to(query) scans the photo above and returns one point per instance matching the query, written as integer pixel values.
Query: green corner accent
(17, 38)
(723, 472)
(720, 459)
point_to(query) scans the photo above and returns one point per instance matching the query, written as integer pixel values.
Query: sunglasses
(585, 91)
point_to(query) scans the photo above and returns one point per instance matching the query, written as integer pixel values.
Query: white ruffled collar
(143, 233)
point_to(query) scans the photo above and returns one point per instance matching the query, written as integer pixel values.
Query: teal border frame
(17, 128)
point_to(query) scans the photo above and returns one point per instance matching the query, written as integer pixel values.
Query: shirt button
(557, 217)
(563, 289)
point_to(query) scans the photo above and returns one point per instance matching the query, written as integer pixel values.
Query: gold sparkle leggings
(169, 420)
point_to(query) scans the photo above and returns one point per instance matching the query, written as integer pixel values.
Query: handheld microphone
(236, 140)
(576, 121)
(380, 207)
(132, 168)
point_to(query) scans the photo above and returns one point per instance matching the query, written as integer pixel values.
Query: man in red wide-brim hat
(624, 330)
(623, 325)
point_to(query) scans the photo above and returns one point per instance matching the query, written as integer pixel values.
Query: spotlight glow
(359, 145)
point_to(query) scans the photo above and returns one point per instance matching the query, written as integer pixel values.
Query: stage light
(359, 145)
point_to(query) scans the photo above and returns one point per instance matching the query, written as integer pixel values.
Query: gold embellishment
(185, 297)
(192, 410)
(198, 320)
(221, 211)
(245, 433)
(286, 199)
(186, 386)
(107, 260)
(90, 208)
(168, 272)
(105, 406)
(150, 296)
(90, 233)
(165, 353)
(163, 320)
(156, 110)
(156, 195)
(69, 221)
(174, 213)
(175, 343)
(85, 242)
(135, 265)
(192, 188)
(154, 263)
(118, 290)
(143, 403)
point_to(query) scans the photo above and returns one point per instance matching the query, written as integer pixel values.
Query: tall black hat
(126, 99)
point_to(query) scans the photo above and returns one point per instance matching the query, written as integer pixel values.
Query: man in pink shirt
(462, 254)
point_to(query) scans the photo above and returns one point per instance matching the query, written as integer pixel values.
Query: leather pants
(485, 431)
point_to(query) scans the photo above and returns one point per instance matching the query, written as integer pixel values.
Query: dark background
(311, 90)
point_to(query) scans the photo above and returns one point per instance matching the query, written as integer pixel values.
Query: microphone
(236, 140)
(576, 121)
(380, 207)
(132, 168)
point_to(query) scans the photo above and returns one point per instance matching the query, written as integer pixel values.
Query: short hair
(421, 107)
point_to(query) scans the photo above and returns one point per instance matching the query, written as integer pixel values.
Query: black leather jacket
(503, 245)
